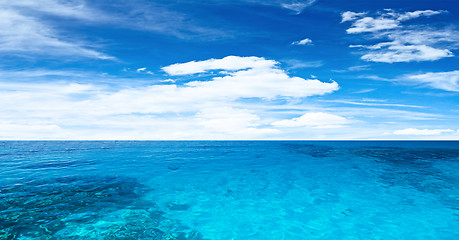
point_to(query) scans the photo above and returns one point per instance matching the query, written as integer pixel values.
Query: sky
(221, 69)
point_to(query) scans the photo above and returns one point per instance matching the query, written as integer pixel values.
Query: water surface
(229, 190)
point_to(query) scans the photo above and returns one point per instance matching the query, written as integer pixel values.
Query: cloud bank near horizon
(209, 107)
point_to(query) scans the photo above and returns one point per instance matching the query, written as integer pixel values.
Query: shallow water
(229, 190)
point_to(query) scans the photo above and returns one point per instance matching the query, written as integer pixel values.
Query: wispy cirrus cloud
(448, 81)
(159, 17)
(401, 42)
(34, 28)
(372, 103)
(156, 16)
(30, 27)
(365, 90)
(297, 64)
(297, 6)
(70, 9)
(23, 31)
(354, 69)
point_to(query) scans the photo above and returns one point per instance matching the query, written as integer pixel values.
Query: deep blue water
(229, 190)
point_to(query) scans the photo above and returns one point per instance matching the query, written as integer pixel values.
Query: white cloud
(315, 120)
(251, 77)
(144, 70)
(422, 132)
(386, 20)
(359, 68)
(372, 102)
(401, 43)
(365, 90)
(297, 7)
(229, 63)
(295, 64)
(22, 32)
(448, 81)
(232, 121)
(350, 16)
(210, 109)
(138, 15)
(37, 73)
(369, 24)
(354, 69)
(387, 114)
(305, 41)
(168, 81)
(28, 131)
(70, 9)
(83, 111)
(416, 14)
(396, 52)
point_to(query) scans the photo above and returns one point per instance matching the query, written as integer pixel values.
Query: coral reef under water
(89, 207)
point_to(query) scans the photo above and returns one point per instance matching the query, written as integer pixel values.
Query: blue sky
(218, 69)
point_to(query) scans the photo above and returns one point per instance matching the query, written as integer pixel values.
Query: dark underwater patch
(407, 156)
(99, 207)
(316, 151)
(416, 168)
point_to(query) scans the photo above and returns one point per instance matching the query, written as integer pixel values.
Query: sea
(229, 190)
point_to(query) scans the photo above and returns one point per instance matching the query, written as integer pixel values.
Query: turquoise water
(229, 190)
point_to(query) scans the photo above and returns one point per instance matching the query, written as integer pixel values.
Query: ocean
(228, 190)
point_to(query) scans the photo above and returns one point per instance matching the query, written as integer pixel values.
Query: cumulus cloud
(422, 132)
(211, 108)
(230, 63)
(401, 42)
(315, 120)
(448, 81)
(305, 41)
(249, 77)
